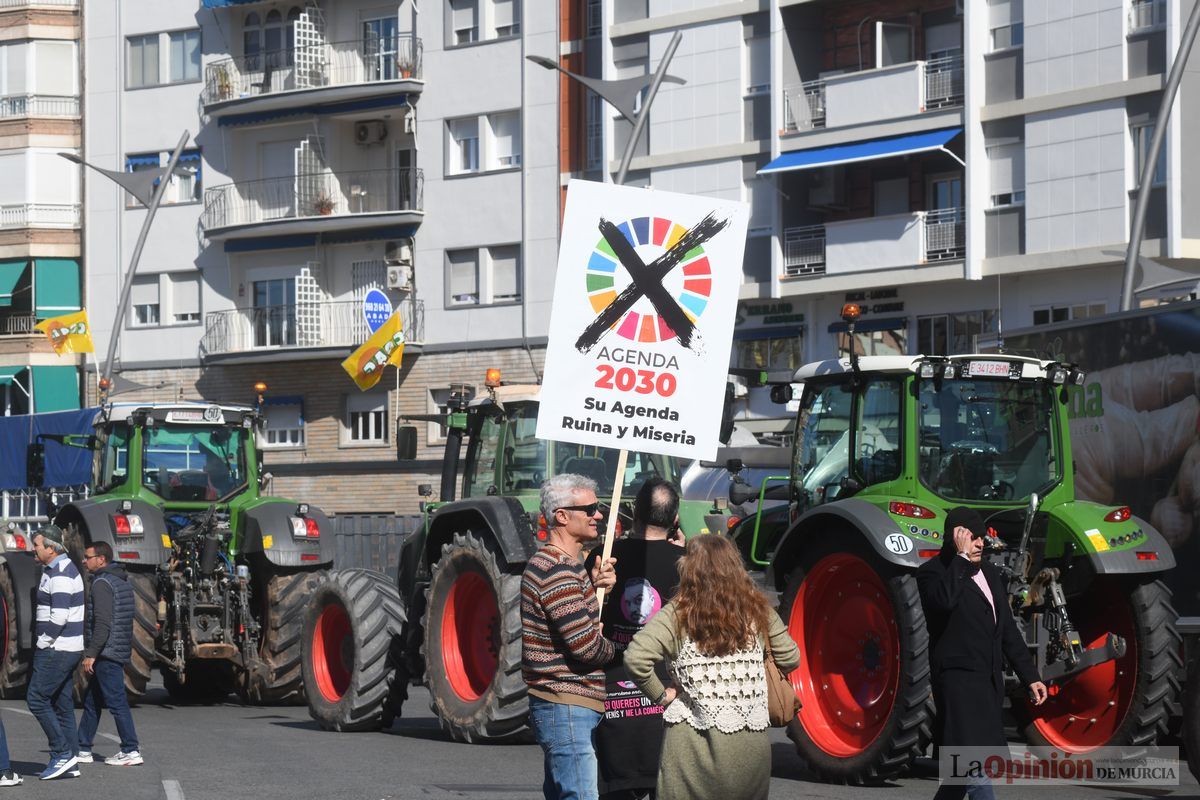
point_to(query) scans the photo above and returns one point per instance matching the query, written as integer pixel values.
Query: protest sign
(642, 320)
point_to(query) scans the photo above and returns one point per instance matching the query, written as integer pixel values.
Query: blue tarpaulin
(861, 151)
(65, 466)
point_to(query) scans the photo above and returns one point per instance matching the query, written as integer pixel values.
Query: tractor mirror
(406, 442)
(35, 464)
(733, 465)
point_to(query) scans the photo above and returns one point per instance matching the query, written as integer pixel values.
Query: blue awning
(189, 155)
(224, 3)
(148, 159)
(861, 151)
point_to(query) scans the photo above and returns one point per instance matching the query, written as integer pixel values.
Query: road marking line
(173, 790)
(29, 713)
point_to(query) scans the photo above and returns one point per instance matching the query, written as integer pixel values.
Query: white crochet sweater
(725, 692)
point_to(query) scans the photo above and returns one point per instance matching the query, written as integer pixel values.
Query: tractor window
(984, 439)
(198, 464)
(600, 464)
(877, 445)
(823, 450)
(480, 473)
(524, 453)
(111, 460)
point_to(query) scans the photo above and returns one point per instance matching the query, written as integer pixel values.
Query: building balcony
(873, 243)
(304, 326)
(37, 105)
(323, 202)
(312, 75)
(39, 215)
(19, 325)
(874, 95)
(7, 5)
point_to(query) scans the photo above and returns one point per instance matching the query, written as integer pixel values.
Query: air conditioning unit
(370, 131)
(828, 188)
(400, 277)
(410, 122)
(399, 252)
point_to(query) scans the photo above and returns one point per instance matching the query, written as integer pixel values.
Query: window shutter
(505, 273)
(464, 273)
(185, 295)
(144, 291)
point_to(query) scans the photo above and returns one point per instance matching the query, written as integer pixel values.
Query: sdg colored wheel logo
(651, 237)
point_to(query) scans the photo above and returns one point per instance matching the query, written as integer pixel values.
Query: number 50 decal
(898, 543)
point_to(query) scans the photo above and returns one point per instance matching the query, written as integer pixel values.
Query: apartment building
(954, 166)
(336, 148)
(40, 265)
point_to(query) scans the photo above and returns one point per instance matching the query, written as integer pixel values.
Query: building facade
(40, 264)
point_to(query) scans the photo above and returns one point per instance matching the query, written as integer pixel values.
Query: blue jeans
(4, 763)
(107, 690)
(565, 734)
(50, 699)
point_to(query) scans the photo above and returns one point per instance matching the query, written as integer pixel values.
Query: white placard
(641, 364)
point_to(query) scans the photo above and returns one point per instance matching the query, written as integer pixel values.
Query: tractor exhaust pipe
(454, 437)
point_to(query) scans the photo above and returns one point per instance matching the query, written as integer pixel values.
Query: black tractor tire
(15, 663)
(351, 649)
(1191, 712)
(1148, 675)
(145, 630)
(206, 683)
(858, 620)
(282, 598)
(472, 644)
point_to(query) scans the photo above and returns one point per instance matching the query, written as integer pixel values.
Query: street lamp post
(622, 95)
(148, 188)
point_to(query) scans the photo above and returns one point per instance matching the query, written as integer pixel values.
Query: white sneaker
(122, 759)
(10, 778)
(84, 757)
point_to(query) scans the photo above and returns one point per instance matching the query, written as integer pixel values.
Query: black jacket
(968, 648)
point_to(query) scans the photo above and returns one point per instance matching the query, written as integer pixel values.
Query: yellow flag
(385, 346)
(69, 333)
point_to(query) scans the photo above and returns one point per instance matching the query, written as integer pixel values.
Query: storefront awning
(871, 325)
(55, 388)
(9, 374)
(861, 151)
(10, 276)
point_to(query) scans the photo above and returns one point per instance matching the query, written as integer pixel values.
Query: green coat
(699, 764)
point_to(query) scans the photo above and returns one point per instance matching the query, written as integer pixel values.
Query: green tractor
(221, 573)
(458, 626)
(886, 446)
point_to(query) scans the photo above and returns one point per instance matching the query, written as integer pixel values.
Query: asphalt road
(229, 752)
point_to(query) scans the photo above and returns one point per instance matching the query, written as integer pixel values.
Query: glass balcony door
(379, 48)
(274, 313)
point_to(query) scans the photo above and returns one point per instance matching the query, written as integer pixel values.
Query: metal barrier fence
(338, 323)
(372, 541)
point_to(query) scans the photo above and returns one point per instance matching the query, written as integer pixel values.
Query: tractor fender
(267, 529)
(95, 518)
(873, 526)
(502, 518)
(26, 573)
(1121, 562)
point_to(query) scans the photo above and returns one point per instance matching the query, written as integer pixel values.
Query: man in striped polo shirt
(59, 648)
(563, 650)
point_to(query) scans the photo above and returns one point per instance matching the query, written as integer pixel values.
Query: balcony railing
(36, 105)
(39, 215)
(945, 234)
(804, 251)
(874, 95)
(804, 106)
(337, 323)
(1145, 14)
(317, 194)
(944, 82)
(7, 4)
(18, 325)
(312, 67)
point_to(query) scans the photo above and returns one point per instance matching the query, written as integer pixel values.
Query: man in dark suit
(971, 630)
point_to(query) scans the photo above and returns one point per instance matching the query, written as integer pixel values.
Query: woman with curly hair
(713, 633)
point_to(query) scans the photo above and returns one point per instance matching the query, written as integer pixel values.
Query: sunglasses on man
(590, 509)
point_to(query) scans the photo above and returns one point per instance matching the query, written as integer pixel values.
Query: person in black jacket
(108, 624)
(971, 630)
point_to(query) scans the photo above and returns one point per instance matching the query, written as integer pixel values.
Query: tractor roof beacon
(885, 447)
(220, 571)
(460, 574)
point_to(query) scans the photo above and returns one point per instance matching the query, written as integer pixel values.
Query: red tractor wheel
(350, 645)
(863, 680)
(1121, 702)
(472, 644)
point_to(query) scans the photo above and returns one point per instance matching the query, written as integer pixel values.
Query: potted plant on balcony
(323, 204)
(224, 84)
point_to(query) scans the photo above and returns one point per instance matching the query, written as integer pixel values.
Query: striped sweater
(60, 607)
(563, 651)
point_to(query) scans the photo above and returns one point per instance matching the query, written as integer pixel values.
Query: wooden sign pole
(610, 528)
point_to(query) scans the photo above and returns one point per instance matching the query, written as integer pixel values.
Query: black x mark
(647, 282)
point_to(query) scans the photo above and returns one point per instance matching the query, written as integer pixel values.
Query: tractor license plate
(987, 369)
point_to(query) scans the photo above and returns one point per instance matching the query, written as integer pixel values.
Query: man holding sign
(563, 652)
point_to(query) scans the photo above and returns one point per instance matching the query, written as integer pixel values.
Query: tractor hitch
(1112, 649)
